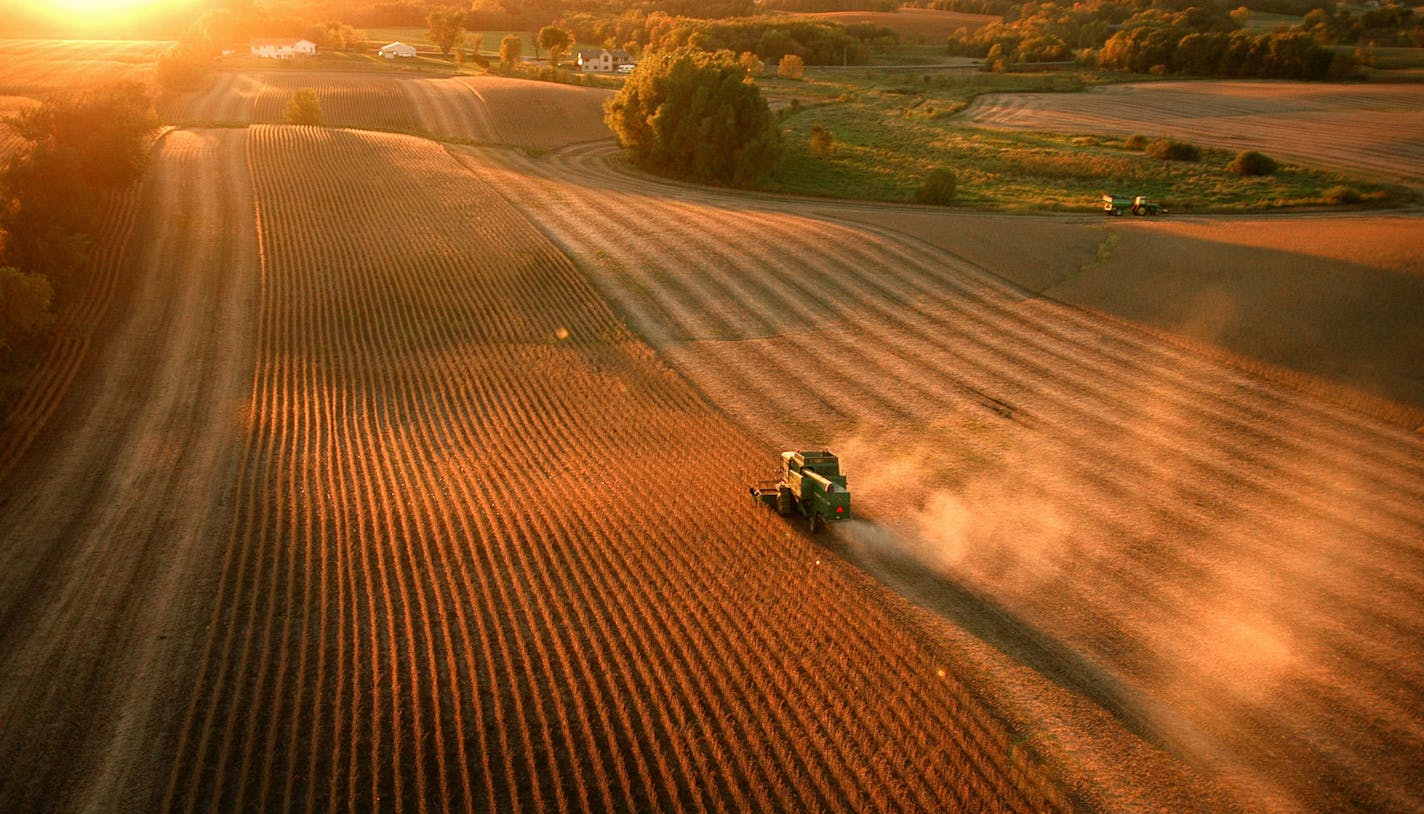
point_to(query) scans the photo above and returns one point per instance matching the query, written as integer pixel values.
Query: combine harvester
(1117, 204)
(811, 485)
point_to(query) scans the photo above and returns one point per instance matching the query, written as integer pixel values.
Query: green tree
(753, 64)
(77, 144)
(693, 114)
(304, 108)
(557, 41)
(25, 300)
(447, 27)
(511, 49)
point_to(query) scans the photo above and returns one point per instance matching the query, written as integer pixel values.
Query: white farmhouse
(282, 48)
(396, 49)
(602, 59)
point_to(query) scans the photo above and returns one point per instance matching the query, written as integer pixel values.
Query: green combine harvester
(811, 485)
(1118, 204)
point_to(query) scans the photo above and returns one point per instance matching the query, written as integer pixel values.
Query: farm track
(1242, 557)
(489, 554)
(1374, 128)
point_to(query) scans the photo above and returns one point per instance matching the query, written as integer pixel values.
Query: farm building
(602, 59)
(396, 49)
(282, 48)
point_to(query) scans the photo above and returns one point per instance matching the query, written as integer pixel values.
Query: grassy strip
(890, 132)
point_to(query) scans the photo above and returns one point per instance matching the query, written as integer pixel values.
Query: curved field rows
(230, 98)
(489, 554)
(485, 109)
(1238, 563)
(110, 525)
(365, 101)
(49, 381)
(39, 67)
(1377, 128)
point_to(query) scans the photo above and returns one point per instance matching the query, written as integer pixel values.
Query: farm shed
(282, 48)
(601, 59)
(396, 49)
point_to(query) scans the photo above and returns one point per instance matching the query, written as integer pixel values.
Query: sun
(104, 7)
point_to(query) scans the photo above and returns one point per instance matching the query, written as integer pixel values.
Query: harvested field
(1234, 564)
(1325, 303)
(112, 525)
(40, 67)
(1375, 128)
(912, 24)
(484, 109)
(387, 524)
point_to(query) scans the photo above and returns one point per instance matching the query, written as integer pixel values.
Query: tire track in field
(450, 584)
(1193, 520)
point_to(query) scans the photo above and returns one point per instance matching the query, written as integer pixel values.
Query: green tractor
(811, 485)
(1117, 204)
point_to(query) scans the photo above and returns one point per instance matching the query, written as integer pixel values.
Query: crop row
(490, 554)
(1178, 508)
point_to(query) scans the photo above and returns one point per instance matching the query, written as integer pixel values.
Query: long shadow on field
(876, 551)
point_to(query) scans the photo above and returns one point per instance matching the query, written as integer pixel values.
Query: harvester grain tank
(811, 485)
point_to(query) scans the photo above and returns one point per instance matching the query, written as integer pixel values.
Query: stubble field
(1363, 127)
(420, 484)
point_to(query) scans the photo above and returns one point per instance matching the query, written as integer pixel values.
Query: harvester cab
(811, 485)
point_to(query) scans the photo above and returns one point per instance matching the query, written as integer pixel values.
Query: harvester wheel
(1117, 213)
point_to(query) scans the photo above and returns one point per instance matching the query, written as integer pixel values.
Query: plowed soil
(392, 512)
(1231, 564)
(379, 474)
(1375, 128)
(40, 67)
(484, 109)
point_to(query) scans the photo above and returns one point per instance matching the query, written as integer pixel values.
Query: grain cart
(1117, 204)
(811, 485)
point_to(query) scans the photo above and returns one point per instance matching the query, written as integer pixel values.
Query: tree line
(1164, 38)
(76, 146)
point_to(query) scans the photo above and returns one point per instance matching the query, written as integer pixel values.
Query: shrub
(939, 187)
(304, 107)
(753, 64)
(1338, 196)
(1136, 142)
(1250, 162)
(791, 67)
(1172, 150)
(822, 141)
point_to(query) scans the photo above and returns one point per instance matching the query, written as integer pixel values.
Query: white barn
(282, 48)
(396, 49)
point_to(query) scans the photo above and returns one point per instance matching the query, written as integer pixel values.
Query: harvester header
(811, 485)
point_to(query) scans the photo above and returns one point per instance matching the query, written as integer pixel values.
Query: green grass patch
(891, 131)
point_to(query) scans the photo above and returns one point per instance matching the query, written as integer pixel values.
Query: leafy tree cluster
(815, 42)
(1000, 7)
(1163, 37)
(1286, 55)
(1390, 24)
(813, 6)
(76, 145)
(694, 114)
